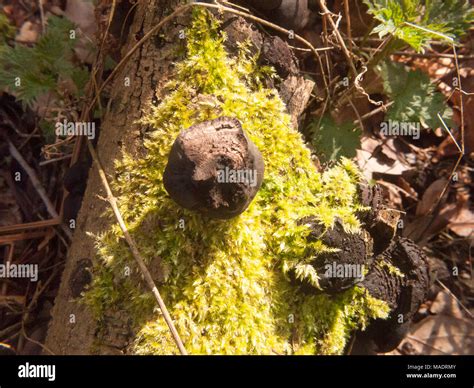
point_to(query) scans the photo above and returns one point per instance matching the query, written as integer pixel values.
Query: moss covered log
(233, 286)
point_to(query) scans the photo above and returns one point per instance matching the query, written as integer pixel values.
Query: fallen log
(239, 275)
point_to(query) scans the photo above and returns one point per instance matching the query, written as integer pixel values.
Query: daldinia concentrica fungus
(214, 168)
(404, 289)
(390, 268)
(350, 254)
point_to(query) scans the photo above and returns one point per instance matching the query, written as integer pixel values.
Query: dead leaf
(407, 188)
(393, 193)
(422, 228)
(431, 196)
(444, 303)
(374, 157)
(29, 33)
(442, 334)
(445, 332)
(81, 13)
(463, 222)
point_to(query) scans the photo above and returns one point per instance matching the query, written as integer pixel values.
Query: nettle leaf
(410, 20)
(333, 141)
(415, 96)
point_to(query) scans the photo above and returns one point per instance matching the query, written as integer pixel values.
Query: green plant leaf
(332, 140)
(29, 72)
(449, 18)
(415, 98)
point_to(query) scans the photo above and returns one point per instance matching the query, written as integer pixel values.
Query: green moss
(392, 269)
(225, 280)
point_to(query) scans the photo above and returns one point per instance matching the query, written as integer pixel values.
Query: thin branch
(455, 298)
(36, 184)
(43, 25)
(45, 162)
(134, 250)
(449, 132)
(348, 24)
(30, 225)
(357, 83)
(382, 108)
(347, 54)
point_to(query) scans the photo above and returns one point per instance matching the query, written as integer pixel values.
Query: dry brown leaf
(393, 194)
(407, 188)
(444, 303)
(81, 13)
(28, 33)
(442, 335)
(374, 157)
(463, 222)
(424, 227)
(430, 196)
(446, 332)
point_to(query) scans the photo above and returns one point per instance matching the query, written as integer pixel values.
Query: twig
(11, 248)
(34, 180)
(431, 55)
(30, 225)
(326, 56)
(359, 118)
(5, 332)
(134, 250)
(370, 62)
(45, 162)
(382, 108)
(361, 90)
(38, 291)
(450, 134)
(8, 300)
(347, 54)
(36, 184)
(348, 23)
(10, 238)
(40, 6)
(455, 298)
(42, 346)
